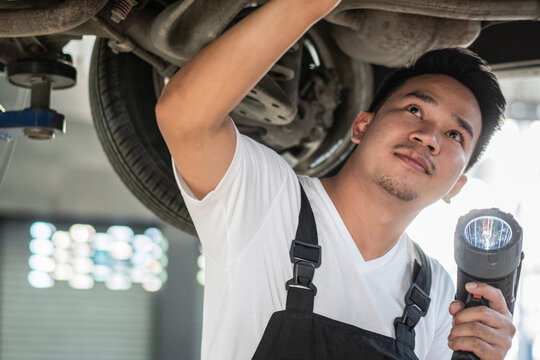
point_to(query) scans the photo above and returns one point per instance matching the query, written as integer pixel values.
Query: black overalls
(297, 333)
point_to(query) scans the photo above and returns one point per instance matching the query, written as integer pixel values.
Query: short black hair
(470, 70)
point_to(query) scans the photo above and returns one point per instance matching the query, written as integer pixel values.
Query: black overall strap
(305, 254)
(417, 301)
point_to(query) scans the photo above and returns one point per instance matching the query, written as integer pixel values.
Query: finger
(455, 307)
(482, 349)
(483, 332)
(482, 314)
(493, 295)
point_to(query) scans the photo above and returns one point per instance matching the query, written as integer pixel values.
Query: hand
(487, 332)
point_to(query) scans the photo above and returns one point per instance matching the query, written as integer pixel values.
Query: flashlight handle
(507, 284)
(464, 355)
(471, 301)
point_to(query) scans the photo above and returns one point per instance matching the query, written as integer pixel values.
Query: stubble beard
(396, 188)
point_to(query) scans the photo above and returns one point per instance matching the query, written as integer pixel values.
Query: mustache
(414, 148)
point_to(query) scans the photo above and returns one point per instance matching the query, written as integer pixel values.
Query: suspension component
(121, 9)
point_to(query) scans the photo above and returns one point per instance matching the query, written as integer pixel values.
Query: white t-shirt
(246, 226)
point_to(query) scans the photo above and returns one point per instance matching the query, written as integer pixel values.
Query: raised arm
(192, 112)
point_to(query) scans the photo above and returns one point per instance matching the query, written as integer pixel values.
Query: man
(420, 134)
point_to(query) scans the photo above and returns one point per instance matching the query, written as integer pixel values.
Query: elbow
(166, 118)
(161, 110)
(171, 119)
(168, 114)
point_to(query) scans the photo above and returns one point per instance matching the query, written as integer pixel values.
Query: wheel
(122, 100)
(124, 90)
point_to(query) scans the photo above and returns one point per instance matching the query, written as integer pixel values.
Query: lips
(416, 161)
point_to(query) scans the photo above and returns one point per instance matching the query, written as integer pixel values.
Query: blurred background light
(82, 256)
(118, 281)
(142, 243)
(82, 250)
(63, 272)
(42, 230)
(200, 277)
(62, 255)
(121, 233)
(83, 265)
(41, 263)
(152, 284)
(81, 281)
(101, 272)
(40, 279)
(41, 247)
(154, 233)
(102, 241)
(81, 233)
(120, 250)
(61, 239)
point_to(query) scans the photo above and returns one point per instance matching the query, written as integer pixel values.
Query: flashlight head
(488, 232)
(487, 243)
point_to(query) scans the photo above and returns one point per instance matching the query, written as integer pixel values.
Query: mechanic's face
(419, 142)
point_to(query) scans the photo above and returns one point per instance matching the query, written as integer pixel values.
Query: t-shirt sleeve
(439, 349)
(229, 216)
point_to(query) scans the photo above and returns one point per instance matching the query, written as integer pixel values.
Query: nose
(427, 137)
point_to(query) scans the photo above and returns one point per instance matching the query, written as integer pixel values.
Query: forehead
(450, 95)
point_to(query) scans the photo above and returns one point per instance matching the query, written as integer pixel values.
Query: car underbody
(302, 108)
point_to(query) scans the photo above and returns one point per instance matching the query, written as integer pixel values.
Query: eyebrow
(431, 100)
(423, 96)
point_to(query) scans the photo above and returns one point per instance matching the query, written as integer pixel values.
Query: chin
(397, 188)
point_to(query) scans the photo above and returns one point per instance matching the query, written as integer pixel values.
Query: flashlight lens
(488, 232)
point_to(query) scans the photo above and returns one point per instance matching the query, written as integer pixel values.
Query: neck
(374, 218)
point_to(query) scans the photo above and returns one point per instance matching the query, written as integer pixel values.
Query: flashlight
(487, 248)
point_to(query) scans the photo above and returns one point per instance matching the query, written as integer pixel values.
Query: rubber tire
(122, 99)
(123, 96)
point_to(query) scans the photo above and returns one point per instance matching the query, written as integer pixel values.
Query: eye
(456, 135)
(415, 110)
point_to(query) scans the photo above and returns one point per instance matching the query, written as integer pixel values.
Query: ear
(455, 189)
(360, 126)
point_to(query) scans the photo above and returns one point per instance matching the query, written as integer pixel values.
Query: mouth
(416, 161)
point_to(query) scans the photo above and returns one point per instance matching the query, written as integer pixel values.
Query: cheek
(452, 167)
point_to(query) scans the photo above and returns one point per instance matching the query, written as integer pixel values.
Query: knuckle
(484, 310)
(512, 330)
(476, 327)
(478, 312)
(476, 344)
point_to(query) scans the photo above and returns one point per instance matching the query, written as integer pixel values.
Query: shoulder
(442, 286)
